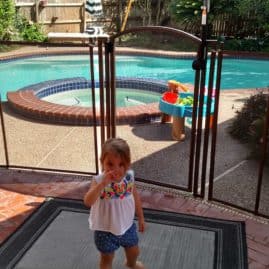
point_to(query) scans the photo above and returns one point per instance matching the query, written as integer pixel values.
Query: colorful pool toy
(179, 106)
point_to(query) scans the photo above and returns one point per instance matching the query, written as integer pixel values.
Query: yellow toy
(175, 86)
(183, 87)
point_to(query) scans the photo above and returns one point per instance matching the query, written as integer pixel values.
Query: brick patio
(22, 192)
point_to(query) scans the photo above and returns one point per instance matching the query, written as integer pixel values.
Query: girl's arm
(139, 211)
(93, 193)
(96, 188)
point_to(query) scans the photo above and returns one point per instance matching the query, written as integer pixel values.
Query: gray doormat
(56, 236)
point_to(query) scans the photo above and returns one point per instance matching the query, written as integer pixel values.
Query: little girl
(114, 201)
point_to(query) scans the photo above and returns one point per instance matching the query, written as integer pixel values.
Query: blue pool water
(236, 73)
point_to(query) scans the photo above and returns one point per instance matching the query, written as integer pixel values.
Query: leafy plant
(257, 136)
(260, 8)
(7, 17)
(256, 130)
(255, 44)
(188, 12)
(251, 115)
(29, 30)
(15, 26)
(245, 17)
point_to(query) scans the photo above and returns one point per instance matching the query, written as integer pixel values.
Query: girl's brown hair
(117, 146)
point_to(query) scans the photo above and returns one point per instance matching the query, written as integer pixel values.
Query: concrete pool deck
(156, 156)
(37, 144)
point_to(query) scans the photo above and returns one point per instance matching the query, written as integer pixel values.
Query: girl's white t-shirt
(114, 209)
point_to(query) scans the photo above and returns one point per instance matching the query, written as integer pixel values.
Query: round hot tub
(68, 101)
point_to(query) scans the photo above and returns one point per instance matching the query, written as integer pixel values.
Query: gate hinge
(198, 64)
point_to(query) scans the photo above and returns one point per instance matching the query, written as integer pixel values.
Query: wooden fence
(230, 25)
(64, 16)
(226, 25)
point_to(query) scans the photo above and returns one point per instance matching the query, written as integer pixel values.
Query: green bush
(256, 134)
(28, 30)
(16, 27)
(251, 114)
(7, 17)
(258, 44)
(248, 125)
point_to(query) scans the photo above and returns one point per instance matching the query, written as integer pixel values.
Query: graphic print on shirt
(118, 190)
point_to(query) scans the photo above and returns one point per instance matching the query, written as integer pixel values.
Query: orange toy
(183, 87)
(175, 86)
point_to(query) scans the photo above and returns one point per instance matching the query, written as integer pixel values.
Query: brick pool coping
(27, 103)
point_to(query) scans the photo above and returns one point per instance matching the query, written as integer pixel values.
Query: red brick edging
(28, 104)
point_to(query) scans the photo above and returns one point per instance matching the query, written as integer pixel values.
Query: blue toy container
(181, 110)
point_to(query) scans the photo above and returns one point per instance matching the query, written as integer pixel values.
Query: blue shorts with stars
(107, 242)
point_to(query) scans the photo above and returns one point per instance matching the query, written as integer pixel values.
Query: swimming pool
(236, 73)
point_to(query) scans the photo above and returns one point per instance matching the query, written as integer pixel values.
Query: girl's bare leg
(131, 258)
(106, 261)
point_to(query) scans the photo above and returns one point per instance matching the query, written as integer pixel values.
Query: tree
(146, 7)
(154, 12)
(162, 12)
